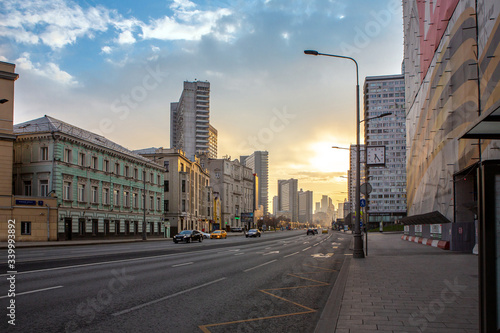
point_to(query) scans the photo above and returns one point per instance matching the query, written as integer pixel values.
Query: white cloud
(50, 70)
(126, 37)
(106, 49)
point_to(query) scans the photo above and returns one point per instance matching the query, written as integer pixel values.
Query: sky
(113, 67)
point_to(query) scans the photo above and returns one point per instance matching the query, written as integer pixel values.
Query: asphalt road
(277, 283)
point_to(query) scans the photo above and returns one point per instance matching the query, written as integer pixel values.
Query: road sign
(362, 203)
(365, 188)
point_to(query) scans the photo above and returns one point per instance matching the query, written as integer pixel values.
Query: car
(188, 236)
(219, 234)
(237, 229)
(315, 230)
(253, 233)
(310, 232)
(205, 234)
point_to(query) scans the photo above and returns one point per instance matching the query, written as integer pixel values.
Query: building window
(25, 228)
(117, 168)
(166, 186)
(151, 177)
(81, 192)
(166, 165)
(44, 153)
(136, 173)
(44, 187)
(126, 198)
(94, 162)
(183, 187)
(94, 194)
(158, 203)
(67, 155)
(67, 190)
(165, 205)
(158, 179)
(117, 197)
(27, 187)
(105, 196)
(183, 205)
(81, 159)
(151, 203)
(134, 200)
(126, 171)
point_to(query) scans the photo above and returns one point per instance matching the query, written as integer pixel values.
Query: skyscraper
(190, 128)
(288, 200)
(259, 163)
(305, 206)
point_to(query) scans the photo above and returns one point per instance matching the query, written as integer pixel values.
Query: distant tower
(259, 163)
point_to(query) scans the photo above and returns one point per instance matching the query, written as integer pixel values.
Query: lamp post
(358, 242)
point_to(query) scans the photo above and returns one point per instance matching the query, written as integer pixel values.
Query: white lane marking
(34, 291)
(291, 254)
(307, 248)
(272, 252)
(321, 255)
(266, 263)
(184, 264)
(316, 244)
(166, 297)
(238, 254)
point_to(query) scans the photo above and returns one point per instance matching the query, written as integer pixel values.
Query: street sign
(365, 188)
(362, 203)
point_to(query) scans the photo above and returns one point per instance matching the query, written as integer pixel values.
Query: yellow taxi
(218, 234)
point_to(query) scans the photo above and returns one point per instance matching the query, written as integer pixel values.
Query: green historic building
(102, 188)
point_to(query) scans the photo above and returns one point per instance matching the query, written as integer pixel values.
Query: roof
(487, 126)
(47, 124)
(434, 217)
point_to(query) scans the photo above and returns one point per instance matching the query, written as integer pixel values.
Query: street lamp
(358, 242)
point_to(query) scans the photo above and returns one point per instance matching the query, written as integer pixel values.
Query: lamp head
(311, 52)
(3, 100)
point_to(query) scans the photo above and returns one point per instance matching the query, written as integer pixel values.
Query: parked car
(236, 229)
(310, 232)
(188, 236)
(218, 234)
(253, 233)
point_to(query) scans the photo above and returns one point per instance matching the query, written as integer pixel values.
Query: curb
(445, 245)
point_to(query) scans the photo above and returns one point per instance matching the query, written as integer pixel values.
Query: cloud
(50, 70)
(106, 49)
(126, 37)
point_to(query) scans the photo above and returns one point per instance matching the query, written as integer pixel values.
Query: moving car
(310, 232)
(218, 234)
(205, 234)
(188, 236)
(253, 233)
(236, 229)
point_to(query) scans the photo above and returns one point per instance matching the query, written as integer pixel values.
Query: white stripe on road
(291, 254)
(34, 291)
(166, 297)
(184, 264)
(267, 263)
(238, 254)
(307, 248)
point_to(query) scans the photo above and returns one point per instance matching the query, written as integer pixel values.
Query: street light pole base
(358, 247)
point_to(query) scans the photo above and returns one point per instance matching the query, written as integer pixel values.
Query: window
(151, 177)
(183, 186)
(25, 228)
(67, 155)
(44, 187)
(117, 168)
(126, 198)
(183, 205)
(158, 179)
(134, 200)
(67, 190)
(44, 153)
(106, 166)
(151, 203)
(166, 165)
(116, 196)
(81, 159)
(158, 203)
(126, 171)
(166, 186)
(81, 192)
(94, 162)
(105, 196)
(165, 205)
(94, 194)
(136, 173)
(27, 187)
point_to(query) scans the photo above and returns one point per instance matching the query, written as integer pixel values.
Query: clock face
(375, 155)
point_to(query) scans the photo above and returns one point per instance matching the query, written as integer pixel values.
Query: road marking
(272, 252)
(238, 254)
(33, 291)
(348, 254)
(335, 247)
(291, 254)
(321, 255)
(266, 263)
(166, 297)
(307, 248)
(184, 264)
(316, 244)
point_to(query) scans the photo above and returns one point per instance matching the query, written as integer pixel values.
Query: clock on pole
(375, 155)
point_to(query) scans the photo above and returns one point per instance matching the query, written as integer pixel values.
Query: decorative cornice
(8, 76)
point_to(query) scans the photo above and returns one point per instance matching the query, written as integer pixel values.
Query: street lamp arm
(316, 53)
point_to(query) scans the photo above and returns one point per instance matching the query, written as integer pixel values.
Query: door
(67, 228)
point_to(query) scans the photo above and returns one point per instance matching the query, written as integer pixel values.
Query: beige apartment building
(187, 194)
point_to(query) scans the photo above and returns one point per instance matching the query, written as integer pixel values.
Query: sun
(327, 159)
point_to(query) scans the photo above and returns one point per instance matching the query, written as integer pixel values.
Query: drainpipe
(48, 222)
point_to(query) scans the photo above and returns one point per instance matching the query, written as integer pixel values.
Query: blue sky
(114, 67)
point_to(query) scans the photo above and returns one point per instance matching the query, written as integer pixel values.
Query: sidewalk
(404, 287)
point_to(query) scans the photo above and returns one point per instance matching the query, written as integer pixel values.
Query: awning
(434, 217)
(487, 126)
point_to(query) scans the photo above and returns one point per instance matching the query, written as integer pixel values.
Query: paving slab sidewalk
(404, 287)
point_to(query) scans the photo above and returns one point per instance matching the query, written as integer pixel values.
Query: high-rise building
(190, 129)
(259, 163)
(305, 206)
(351, 175)
(386, 94)
(275, 205)
(288, 200)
